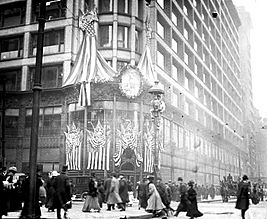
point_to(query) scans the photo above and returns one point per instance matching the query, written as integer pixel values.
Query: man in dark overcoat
(123, 192)
(142, 193)
(183, 206)
(243, 194)
(62, 192)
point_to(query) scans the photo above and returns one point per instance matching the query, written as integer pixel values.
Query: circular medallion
(131, 82)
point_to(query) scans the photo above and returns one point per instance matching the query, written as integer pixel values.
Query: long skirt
(90, 203)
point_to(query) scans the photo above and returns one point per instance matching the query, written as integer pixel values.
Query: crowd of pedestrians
(152, 194)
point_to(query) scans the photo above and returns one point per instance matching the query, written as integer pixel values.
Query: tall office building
(195, 53)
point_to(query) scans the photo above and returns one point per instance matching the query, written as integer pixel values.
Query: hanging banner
(73, 147)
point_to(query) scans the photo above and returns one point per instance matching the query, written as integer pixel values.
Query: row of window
(188, 57)
(175, 136)
(179, 137)
(14, 14)
(12, 47)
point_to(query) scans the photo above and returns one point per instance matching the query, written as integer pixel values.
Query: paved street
(213, 210)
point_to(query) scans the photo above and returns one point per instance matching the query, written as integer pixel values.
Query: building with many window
(195, 56)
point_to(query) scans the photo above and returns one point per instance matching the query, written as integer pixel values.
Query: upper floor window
(11, 47)
(138, 40)
(160, 29)
(161, 3)
(174, 45)
(51, 76)
(53, 42)
(11, 121)
(160, 59)
(124, 6)
(105, 31)
(174, 72)
(49, 121)
(54, 9)
(174, 19)
(12, 14)
(105, 6)
(12, 79)
(123, 37)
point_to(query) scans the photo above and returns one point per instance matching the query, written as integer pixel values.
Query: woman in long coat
(154, 203)
(192, 210)
(113, 196)
(91, 201)
(243, 193)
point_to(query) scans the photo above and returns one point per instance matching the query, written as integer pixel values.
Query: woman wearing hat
(91, 201)
(243, 194)
(154, 203)
(13, 199)
(192, 210)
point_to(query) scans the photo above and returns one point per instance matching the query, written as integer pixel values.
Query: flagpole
(142, 136)
(84, 139)
(114, 131)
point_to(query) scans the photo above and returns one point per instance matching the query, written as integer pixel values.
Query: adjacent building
(195, 53)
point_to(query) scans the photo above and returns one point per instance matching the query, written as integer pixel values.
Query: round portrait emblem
(131, 82)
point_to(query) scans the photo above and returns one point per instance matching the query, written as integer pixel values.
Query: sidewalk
(76, 213)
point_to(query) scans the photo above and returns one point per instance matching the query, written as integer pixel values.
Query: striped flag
(89, 64)
(98, 146)
(73, 147)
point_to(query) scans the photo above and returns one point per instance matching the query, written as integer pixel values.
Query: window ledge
(13, 26)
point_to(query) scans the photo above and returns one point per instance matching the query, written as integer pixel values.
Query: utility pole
(3, 140)
(37, 88)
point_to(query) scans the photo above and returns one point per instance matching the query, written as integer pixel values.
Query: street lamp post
(3, 140)
(156, 112)
(37, 88)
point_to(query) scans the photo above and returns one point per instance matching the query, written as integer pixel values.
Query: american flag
(98, 146)
(89, 65)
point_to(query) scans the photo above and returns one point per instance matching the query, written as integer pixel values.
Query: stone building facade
(195, 56)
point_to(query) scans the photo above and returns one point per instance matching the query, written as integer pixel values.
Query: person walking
(114, 197)
(142, 193)
(243, 194)
(192, 210)
(154, 202)
(50, 190)
(107, 185)
(91, 201)
(100, 193)
(123, 192)
(25, 193)
(14, 203)
(62, 192)
(3, 206)
(183, 206)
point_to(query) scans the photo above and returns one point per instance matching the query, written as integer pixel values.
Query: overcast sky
(257, 9)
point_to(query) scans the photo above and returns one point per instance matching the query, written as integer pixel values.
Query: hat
(64, 168)
(190, 183)
(180, 179)
(245, 177)
(54, 173)
(150, 177)
(12, 169)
